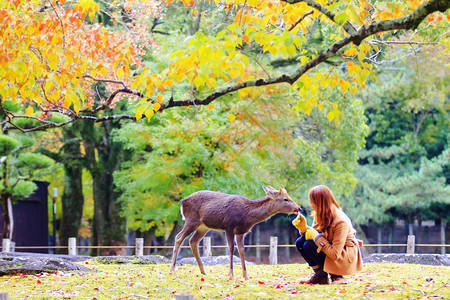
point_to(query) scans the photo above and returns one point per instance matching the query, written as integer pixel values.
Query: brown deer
(234, 214)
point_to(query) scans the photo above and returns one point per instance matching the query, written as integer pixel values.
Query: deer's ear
(269, 190)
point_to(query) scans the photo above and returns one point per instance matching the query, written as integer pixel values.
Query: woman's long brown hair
(324, 200)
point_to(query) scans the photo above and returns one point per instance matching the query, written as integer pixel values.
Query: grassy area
(375, 281)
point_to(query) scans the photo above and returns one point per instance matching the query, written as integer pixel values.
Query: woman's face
(313, 206)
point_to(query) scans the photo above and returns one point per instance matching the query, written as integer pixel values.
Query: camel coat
(338, 242)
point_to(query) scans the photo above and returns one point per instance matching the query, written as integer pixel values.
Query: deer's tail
(181, 211)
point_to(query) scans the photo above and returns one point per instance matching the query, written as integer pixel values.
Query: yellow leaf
(243, 93)
(331, 115)
(234, 73)
(307, 108)
(29, 111)
(67, 102)
(344, 85)
(291, 50)
(103, 71)
(199, 81)
(138, 113)
(76, 107)
(231, 117)
(350, 52)
(168, 83)
(252, 3)
(156, 106)
(149, 113)
(119, 73)
(283, 49)
(361, 56)
(353, 69)
(320, 106)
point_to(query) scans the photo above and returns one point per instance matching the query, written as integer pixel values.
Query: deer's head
(281, 200)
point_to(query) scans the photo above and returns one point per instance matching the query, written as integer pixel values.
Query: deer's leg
(241, 248)
(230, 240)
(188, 228)
(193, 242)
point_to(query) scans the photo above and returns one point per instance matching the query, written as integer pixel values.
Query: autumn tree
(51, 54)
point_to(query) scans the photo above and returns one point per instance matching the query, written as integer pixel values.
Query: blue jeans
(308, 249)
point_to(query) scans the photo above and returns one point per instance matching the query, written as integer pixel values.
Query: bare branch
(348, 27)
(401, 43)
(106, 80)
(60, 22)
(301, 19)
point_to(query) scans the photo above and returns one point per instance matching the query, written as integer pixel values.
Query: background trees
(403, 173)
(243, 86)
(18, 167)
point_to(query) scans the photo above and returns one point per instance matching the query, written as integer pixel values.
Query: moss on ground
(375, 281)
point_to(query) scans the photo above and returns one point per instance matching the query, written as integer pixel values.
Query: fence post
(411, 244)
(207, 246)
(184, 297)
(139, 247)
(72, 246)
(443, 235)
(6, 245)
(273, 250)
(258, 242)
(4, 296)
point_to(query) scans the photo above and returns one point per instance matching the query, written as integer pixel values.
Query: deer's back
(216, 210)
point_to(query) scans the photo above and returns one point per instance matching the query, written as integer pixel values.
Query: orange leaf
(156, 106)
(29, 111)
(246, 39)
(210, 107)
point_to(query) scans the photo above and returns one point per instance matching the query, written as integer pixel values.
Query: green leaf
(341, 18)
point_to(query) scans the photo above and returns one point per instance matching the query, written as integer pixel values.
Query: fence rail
(216, 247)
(207, 247)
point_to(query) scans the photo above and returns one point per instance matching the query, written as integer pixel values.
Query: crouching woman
(329, 246)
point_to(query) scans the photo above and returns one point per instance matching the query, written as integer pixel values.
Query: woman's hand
(300, 223)
(311, 233)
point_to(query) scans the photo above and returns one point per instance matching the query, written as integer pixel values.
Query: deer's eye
(286, 199)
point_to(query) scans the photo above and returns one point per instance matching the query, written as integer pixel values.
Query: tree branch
(348, 27)
(301, 19)
(407, 23)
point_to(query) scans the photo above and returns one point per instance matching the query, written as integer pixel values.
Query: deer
(207, 210)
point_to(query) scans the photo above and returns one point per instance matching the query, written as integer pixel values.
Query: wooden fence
(207, 247)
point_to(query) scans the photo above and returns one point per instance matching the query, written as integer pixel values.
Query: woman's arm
(333, 248)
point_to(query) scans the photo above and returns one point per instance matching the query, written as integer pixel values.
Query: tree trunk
(6, 219)
(72, 198)
(72, 201)
(103, 158)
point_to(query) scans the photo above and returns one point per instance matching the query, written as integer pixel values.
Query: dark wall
(31, 220)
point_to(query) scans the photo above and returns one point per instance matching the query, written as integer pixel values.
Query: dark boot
(319, 277)
(338, 279)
